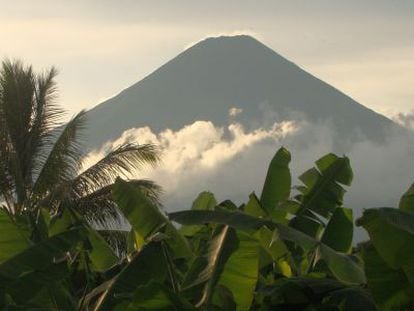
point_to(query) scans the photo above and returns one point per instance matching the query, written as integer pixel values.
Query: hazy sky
(364, 48)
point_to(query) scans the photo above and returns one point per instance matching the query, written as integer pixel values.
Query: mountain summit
(217, 74)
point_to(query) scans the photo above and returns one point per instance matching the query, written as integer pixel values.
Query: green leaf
(243, 222)
(237, 220)
(191, 278)
(101, 255)
(134, 242)
(278, 181)
(341, 265)
(350, 298)
(342, 167)
(254, 208)
(177, 242)
(13, 239)
(27, 286)
(310, 177)
(307, 224)
(61, 223)
(145, 218)
(407, 200)
(241, 271)
(61, 297)
(339, 231)
(323, 192)
(41, 255)
(271, 243)
(274, 250)
(392, 233)
(232, 261)
(389, 287)
(148, 265)
(315, 294)
(222, 245)
(204, 202)
(155, 296)
(53, 296)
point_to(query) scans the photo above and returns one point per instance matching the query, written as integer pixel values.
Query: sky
(364, 48)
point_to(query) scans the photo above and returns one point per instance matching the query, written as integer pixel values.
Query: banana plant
(389, 255)
(224, 256)
(289, 248)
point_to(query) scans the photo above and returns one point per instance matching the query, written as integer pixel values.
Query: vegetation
(40, 157)
(271, 253)
(289, 249)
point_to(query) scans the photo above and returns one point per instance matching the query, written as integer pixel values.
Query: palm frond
(6, 176)
(40, 158)
(6, 179)
(122, 161)
(27, 116)
(63, 161)
(117, 240)
(16, 99)
(46, 120)
(99, 207)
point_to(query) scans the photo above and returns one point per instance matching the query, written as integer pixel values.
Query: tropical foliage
(41, 157)
(282, 251)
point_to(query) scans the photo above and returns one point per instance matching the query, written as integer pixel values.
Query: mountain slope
(216, 74)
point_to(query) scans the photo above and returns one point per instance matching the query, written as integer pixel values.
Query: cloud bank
(232, 162)
(201, 155)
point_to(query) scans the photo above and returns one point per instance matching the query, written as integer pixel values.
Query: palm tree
(40, 157)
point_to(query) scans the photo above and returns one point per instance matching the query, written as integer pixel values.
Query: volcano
(238, 74)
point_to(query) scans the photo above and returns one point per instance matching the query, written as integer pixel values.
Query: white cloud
(196, 150)
(232, 162)
(234, 111)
